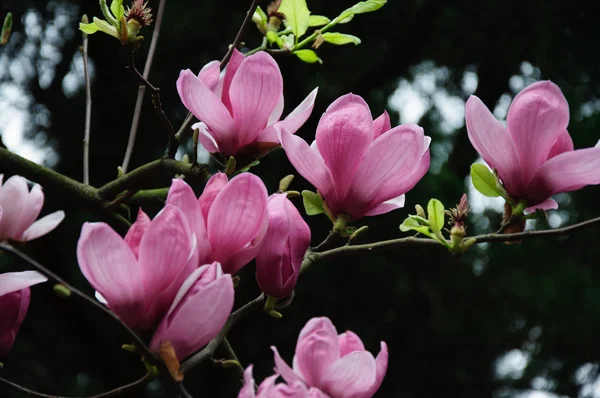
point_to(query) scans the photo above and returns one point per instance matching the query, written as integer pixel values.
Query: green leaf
(340, 38)
(413, 225)
(6, 29)
(308, 56)
(313, 203)
(318, 20)
(116, 7)
(435, 212)
(484, 181)
(88, 28)
(360, 8)
(297, 15)
(272, 37)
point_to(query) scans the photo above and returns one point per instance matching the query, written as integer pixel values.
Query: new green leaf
(484, 181)
(360, 8)
(318, 20)
(413, 225)
(313, 204)
(340, 38)
(297, 15)
(117, 9)
(435, 213)
(308, 56)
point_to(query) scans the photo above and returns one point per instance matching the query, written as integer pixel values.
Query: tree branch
(88, 109)
(111, 393)
(142, 88)
(210, 349)
(11, 249)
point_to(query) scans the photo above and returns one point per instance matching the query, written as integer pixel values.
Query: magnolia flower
(19, 209)
(240, 111)
(229, 219)
(533, 154)
(360, 166)
(328, 365)
(279, 260)
(198, 313)
(268, 388)
(14, 302)
(138, 276)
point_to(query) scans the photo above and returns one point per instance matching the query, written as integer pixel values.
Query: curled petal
(298, 116)
(284, 369)
(14, 281)
(387, 206)
(350, 342)
(381, 363)
(209, 75)
(212, 188)
(548, 204)
(381, 124)
(136, 231)
(317, 349)
(43, 226)
(564, 143)
(205, 138)
(13, 199)
(230, 71)
(31, 209)
(351, 376)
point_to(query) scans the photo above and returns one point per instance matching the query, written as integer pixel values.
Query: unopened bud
(467, 244)
(6, 29)
(420, 211)
(230, 168)
(61, 290)
(275, 314)
(285, 182)
(129, 347)
(292, 194)
(357, 234)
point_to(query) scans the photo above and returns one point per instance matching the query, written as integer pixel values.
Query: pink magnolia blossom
(14, 303)
(359, 165)
(19, 209)
(279, 260)
(138, 276)
(230, 219)
(533, 154)
(198, 313)
(242, 108)
(268, 388)
(338, 366)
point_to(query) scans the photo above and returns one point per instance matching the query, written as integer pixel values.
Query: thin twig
(88, 111)
(173, 140)
(111, 393)
(9, 248)
(210, 349)
(142, 88)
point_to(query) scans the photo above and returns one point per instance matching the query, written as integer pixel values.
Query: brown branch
(173, 140)
(111, 393)
(210, 349)
(88, 109)
(142, 88)
(11, 249)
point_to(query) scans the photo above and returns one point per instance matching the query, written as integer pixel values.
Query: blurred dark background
(503, 321)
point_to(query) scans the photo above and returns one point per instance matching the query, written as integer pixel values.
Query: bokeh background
(503, 321)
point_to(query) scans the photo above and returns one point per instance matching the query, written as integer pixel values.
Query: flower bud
(279, 260)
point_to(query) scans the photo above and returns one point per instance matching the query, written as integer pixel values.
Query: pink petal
(13, 199)
(254, 93)
(494, 144)
(388, 169)
(247, 390)
(381, 368)
(205, 138)
(265, 388)
(381, 124)
(208, 108)
(351, 376)
(43, 226)
(344, 134)
(14, 308)
(564, 143)
(350, 342)
(243, 256)
(277, 111)
(182, 196)
(308, 162)
(212, 188)
(164, 254)
(197, 318)
(236, 216)
(284, 370)
(548, 204)
(536, 118)
(566, 172)
(136, 231)
(387, 206)
(31, 209)
(14, 281)
(317, 349)
(230, 71)
(209, 75)
(110, 267)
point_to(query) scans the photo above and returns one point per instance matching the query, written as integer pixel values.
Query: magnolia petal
(387, 206)
(31, 209)
(381, 124)
(548, 204)
(381, 363)
(14, 308)
(494, 144)
(230, 71)
(343, 136)
(566, 172)
(564, 143)
(351, 376)
(536, 118)
(14, 281)
(298, 116)
(350, 342)
(205, 138)
(277, 111)
(212, 188)
(236, 216)
(255, 90)
(209, 75)
(283, 368)
(13, 199)
(247, 390)
(136, 231)
(43, 226)
(317, 349)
